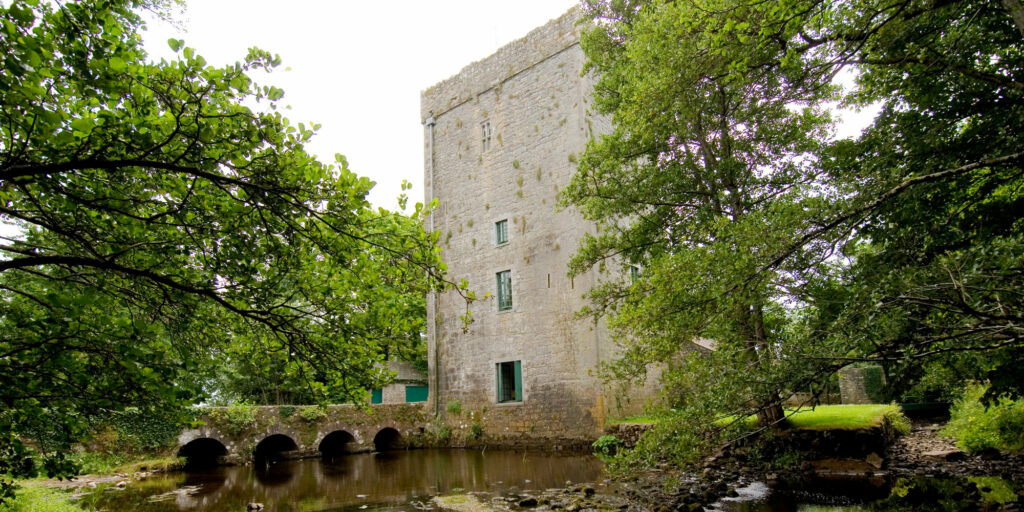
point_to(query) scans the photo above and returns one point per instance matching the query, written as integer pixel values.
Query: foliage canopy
(795, 252)
(172, 219)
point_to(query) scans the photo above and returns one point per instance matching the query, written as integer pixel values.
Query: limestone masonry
(501, 139)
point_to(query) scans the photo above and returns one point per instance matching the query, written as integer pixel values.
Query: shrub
(976, 427)
(899, 422)
(455, 407)
(234, 418)
(476, 430)
(285, 412)
(312, 413)
(607, 445)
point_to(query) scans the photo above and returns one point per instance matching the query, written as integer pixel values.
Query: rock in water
(254, 506)
(946, 455)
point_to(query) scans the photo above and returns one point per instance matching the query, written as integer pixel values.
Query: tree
(722, 181)
(166, 221)
(706, 150)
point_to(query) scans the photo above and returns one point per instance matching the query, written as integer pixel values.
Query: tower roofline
(540, 44)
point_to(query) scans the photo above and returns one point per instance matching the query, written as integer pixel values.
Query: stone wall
(537, 105)
(852, 386)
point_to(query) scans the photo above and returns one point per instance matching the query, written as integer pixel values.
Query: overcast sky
(357, 67)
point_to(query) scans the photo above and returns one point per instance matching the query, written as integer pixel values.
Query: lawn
(846, 417)
(822, 417)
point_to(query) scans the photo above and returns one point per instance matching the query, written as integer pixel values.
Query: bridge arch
(387, 439)
(337, 442)
(273, 448)
(203, 452)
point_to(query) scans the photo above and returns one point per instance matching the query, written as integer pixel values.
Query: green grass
(35, 498)
(822, 417)
(843, 417)
(104, 463)
(634, 420)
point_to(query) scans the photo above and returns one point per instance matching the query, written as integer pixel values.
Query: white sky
(357, 67)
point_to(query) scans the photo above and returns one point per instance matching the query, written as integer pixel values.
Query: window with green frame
(501, 232)
(634, 273)
(510, 382)
(376, 396)
(504, 290)
(416, 393)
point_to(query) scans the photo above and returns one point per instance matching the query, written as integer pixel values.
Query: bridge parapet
(285, 431)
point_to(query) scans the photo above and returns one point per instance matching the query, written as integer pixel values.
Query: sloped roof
(406, 372)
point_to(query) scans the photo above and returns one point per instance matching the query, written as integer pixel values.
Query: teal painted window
(501, 232)
(376, 396)
(416, 393)
(634, 273)
(510, 381)
(504, 290)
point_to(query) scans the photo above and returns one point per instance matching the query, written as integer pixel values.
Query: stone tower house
(501, 140)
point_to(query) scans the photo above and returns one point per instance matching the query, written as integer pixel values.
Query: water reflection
(386, 478)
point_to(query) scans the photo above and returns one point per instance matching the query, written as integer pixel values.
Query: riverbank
(914, 461)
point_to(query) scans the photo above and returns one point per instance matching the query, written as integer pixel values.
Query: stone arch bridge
(238, 435)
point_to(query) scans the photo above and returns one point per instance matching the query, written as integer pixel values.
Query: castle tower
(501, 139)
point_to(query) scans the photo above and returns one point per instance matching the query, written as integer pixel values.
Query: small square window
(510, 382)
(485, 134)
(504, 290)
(501, 232)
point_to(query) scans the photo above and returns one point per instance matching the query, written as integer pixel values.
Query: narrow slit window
(504, 290)
(485, 135)
(510, 382)
(501, 232)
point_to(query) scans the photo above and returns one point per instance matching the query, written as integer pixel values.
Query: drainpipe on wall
(432, 314)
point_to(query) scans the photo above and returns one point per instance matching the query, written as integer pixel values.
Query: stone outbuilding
(409, 385)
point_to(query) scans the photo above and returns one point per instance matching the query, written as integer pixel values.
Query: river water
(398, 480)
(406, 481)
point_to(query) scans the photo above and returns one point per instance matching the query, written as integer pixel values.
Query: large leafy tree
(169, 214)
(708, 147)
(758, 231)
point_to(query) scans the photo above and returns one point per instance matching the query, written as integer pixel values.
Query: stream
(407, 480)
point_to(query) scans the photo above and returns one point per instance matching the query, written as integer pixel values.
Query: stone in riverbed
(875, 460)
(528, 502)
(460, 503)
(945, 455)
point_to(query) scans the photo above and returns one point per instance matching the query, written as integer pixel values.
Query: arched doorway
(273, 448)
(204, 452)
(336, 443)
(388, 439)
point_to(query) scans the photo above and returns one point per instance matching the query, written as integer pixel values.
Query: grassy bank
(33, 497)
(105, 464)
(822, 417)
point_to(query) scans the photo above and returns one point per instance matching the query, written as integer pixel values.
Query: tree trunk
(771, 413)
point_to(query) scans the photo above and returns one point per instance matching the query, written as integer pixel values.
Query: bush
(607, 445)
(455, 407)
(312, 413)
(476, 430)
(975, 427)
(235, 418)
